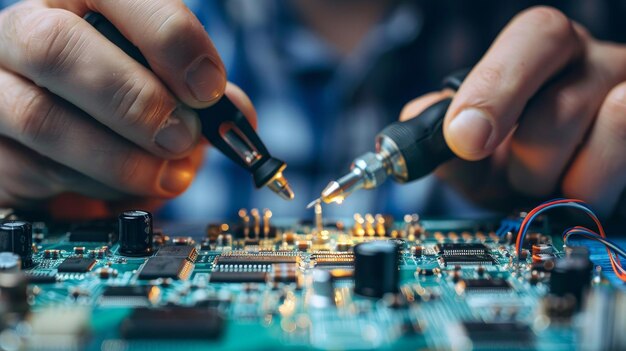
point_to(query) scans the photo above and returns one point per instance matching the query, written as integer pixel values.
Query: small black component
(188, 252)
(486, 285)
(128, 291)
(467, 260)
(135, 233)
(333, 259)
(499, 335)
(134, 295)
(76, 265)
(96, 232)
(17, 237)
(41, 278)
(376, 268)
(256, 259)
(571, 275)
(239, 277)
(173, 323)
(462, 249)
(166, 267)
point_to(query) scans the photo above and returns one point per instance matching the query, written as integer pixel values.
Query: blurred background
(326, 76)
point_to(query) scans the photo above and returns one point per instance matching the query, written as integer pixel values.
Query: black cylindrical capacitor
(17, 237)
(376, 268)
(135, 233)
(571, 276)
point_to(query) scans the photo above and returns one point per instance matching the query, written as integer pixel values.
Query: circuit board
(452, 285)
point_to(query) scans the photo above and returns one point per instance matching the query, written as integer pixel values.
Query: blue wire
(579, 231)
(564, 204)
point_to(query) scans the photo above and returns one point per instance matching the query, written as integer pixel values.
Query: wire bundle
(612, 249)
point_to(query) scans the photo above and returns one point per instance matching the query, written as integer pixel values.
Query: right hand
(78, 115)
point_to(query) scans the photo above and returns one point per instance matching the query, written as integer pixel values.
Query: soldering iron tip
(313, 203)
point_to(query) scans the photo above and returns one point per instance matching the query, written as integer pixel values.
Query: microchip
(173, 323)
(239, 277)
(333, 259)
(486, 285)
(462, 249)
(467, 260)
(188, 252)
(134, 295)
(76, 265)
(166, 267)
(40, 278)
(260, 258)
(499, 335)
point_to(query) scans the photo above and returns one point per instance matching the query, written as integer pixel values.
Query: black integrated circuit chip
(239, 277)
(188, 252)
(76, 265)
(173, 323)
(166, 267)
(41, 278)
(486, 285)
(499, 335)
(334, 259)
(130, 295)
(467, 260)
(462, 249)
(256, 259)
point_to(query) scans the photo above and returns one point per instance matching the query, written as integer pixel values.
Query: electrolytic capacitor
(376, 268)
(17, 237)
(135, 233)
(571, 276)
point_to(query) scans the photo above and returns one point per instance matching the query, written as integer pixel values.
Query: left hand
(544, 113)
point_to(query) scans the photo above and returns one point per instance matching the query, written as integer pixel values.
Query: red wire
(518, 241)
(614, 260)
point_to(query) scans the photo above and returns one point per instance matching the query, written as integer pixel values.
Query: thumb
(418, 105)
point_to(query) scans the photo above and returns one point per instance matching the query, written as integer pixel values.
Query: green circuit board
(221, 287)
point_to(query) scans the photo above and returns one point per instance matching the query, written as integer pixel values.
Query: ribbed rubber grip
(420, 140)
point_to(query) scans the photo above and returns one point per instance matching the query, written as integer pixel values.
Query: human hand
(78, 115)
(543, 113)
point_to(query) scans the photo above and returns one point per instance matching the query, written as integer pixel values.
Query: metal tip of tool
(280, 186)
(332, 193)
(313, 203)
(286, 193)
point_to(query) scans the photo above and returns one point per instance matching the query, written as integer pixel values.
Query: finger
(27, 178)
(597, 173)
(532, 48)
(242, 102)
(171, 38)
(416, 106)
(60, 51)
(59, 131)
(557, 120)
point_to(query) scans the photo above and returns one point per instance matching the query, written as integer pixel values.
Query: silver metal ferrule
(369, 171)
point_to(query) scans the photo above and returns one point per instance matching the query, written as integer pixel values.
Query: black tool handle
(222, 124)
(420, 140)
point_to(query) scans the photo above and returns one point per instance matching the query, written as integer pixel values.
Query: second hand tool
(405, 151)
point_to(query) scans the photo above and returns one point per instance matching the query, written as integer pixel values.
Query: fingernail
(471, 131)
(205, 80)
(180, 132)
(176, 176)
